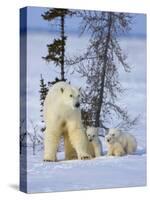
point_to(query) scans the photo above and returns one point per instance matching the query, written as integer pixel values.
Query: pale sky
(36, 22)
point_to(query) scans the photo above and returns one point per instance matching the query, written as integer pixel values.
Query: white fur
(122, 142)
(95, 144)
(62, 117)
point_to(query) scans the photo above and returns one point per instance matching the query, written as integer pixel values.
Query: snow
(102, 172)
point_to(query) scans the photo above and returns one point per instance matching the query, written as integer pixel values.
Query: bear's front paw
(47, 160)
(85, 157)
(119, 154)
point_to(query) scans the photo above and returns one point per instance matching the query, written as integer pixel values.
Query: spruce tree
(56, 50)
(43, 92)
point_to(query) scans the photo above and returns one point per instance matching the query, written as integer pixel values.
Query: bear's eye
(71, 95)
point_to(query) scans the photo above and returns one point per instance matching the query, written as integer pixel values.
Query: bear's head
(112, 135)
(70, 96)
(91, 132)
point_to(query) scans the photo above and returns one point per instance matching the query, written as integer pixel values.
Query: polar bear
(120, 143)
(62, 117)
(94, 145)
(114, 148)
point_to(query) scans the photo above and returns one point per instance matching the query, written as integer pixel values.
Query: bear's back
(56, 90)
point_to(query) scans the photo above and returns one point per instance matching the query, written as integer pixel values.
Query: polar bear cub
(120, 143)
(95, 145)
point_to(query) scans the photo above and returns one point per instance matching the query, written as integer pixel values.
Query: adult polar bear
(62, 116)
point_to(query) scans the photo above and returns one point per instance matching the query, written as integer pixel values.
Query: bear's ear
(62, 90)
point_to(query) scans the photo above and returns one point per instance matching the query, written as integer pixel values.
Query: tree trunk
(101, 93)
(33, 148)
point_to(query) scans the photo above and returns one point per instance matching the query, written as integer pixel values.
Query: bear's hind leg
(130, 149)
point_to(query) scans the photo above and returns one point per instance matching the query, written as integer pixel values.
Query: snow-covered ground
(102, 172)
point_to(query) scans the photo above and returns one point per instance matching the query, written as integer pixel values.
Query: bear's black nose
(108, 140)
(77, 105)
